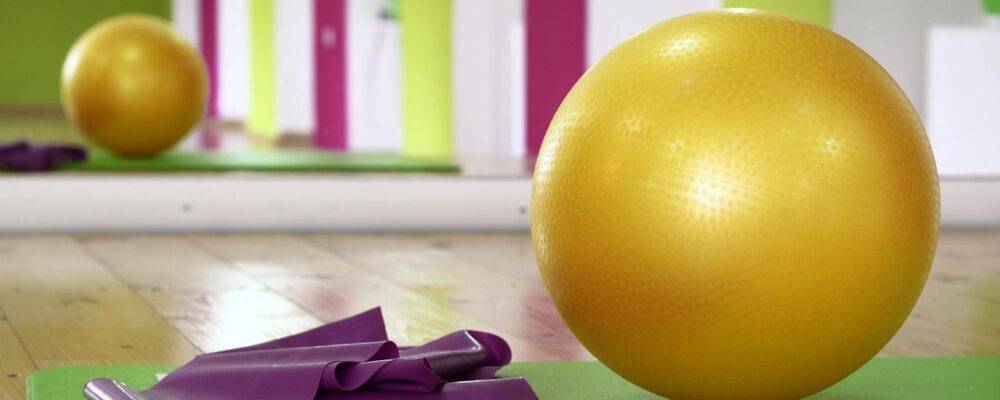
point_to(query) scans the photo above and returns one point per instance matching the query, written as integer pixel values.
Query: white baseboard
(223, 203)
(220, 203)
(970, 203)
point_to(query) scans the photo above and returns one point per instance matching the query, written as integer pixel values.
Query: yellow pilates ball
(133, 85)
(735, 205)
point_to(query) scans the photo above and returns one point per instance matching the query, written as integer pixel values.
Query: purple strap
(26, 157)
(347, 359)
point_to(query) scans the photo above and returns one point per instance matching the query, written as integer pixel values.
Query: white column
(374, 96)
(234, 59)
(483, 81)
(294, 66)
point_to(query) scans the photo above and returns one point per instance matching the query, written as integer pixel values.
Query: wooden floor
(70, 300)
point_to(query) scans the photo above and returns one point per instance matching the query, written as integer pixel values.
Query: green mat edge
(900, 378)
(271, 161)
(266, 161)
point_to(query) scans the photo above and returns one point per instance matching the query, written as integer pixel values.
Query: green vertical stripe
(427, 107)
(992, 6)
(263, 118)
(817, 11)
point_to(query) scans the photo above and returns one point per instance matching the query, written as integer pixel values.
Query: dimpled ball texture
(134, 86)
(735, 204)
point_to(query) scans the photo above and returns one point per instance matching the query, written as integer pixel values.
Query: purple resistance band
(349, 359)
(208, 20)
(26, 157)
(556, 32)
(330, 49)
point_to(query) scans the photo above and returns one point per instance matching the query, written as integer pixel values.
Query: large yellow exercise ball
(133, 85)
(735, 205)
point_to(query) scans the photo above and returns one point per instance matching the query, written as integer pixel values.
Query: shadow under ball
(735, 205)
(134, 86)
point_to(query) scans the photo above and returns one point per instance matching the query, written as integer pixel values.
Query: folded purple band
(347, 359)
(23, 156)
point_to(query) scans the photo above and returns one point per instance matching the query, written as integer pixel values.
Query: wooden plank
(332, 288)
(15, 364)
(60, 306)
(228, 319)
(165, 263)
(506, 301)
(68, 310)
(957, 312)
(213, 304)
(955, 315)
(511, 253)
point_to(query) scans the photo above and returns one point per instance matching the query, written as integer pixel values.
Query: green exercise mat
(962, 378)
(264, 161)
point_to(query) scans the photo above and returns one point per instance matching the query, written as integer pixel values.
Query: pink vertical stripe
(330, 44)
(208, 39)
(556, 34)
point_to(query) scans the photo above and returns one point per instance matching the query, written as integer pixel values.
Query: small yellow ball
(735, 205)
(133, 85)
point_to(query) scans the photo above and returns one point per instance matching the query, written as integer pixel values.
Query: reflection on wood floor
(132, 299)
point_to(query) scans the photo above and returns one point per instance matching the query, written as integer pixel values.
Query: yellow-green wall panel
(263, 118)
(427, 96)
(817, 11)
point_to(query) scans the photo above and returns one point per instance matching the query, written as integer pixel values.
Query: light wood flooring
(133, 299)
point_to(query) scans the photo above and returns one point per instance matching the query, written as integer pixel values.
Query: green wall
(35, 36)
(816, 11)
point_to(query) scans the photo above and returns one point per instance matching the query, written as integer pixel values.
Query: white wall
(374, 89)
(295, 65)
(514, 114)
(610, 22)
(894, 32)
(185, 19)
(234, 59)
(963, 99)
(482, 81)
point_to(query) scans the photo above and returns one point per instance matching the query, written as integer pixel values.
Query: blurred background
(456, 92)
(357, 153)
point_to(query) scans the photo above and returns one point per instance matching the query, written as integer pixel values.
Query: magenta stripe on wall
(556, 32)
(330, 44)
(208, 20)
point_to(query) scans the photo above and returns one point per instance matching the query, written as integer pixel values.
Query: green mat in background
(264, 161)
(963, 378)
